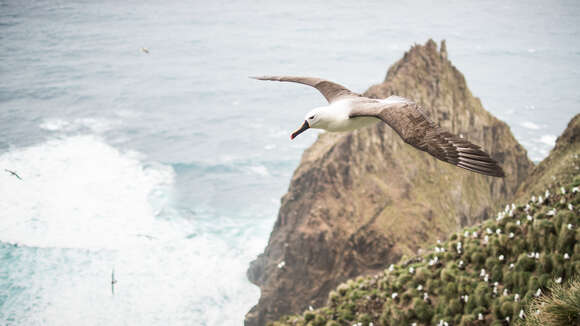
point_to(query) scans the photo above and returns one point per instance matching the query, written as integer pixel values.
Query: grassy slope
(396, 296)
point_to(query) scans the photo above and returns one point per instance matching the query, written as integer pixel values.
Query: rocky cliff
(359, 201)
(559, 167)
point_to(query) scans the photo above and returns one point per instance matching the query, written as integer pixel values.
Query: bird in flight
(349, 111)
(145, 50)
(113, 282)
(13, 173)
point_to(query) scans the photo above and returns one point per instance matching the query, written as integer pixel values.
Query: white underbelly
(352, 124)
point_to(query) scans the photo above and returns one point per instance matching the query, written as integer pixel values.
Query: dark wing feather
(414, 126)
(331, 91)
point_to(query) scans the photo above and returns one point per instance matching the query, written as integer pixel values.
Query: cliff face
(359, 201)
(559, 167)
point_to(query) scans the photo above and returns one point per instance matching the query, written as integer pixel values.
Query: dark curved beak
(304, 126)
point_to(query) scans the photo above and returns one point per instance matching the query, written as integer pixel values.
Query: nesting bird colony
(484, 275)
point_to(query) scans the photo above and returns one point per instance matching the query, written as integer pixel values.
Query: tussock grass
(560, 308)
(483, 275)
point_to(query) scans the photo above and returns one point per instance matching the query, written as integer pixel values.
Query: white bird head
(313, 119)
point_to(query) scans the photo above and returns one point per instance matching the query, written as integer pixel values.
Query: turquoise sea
(168, 166)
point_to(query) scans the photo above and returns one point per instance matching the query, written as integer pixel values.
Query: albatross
(349, 111)
(113, 281)
(13, 173)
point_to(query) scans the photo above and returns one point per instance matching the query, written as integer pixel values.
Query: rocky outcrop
(359, 201)
(561, 166)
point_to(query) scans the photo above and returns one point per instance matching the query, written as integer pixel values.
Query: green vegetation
(561, 307)
(484, 275)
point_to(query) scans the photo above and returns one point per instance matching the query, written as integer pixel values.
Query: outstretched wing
(414, 126)
(331, 91)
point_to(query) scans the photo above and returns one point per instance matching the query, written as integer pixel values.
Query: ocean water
(168, 167)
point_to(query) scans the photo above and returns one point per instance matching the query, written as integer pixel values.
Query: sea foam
(84, 208)
(79, 192)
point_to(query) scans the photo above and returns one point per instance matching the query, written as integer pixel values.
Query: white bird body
(335, 117)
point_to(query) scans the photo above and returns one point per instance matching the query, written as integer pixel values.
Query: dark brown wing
(331, 91)
(414, 126)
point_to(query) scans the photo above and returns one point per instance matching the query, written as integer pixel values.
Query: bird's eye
(311, 117)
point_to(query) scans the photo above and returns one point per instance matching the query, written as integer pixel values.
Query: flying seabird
(349, 111)
(146, 236)
(13, 173)
(145, 50)
(113, 281)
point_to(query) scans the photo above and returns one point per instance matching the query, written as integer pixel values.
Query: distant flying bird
(145, 50)
(113, 282)
(146, 236)
(349, 111)
(13, 173)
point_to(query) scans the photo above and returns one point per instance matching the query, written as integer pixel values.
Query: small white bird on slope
(349, 111)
